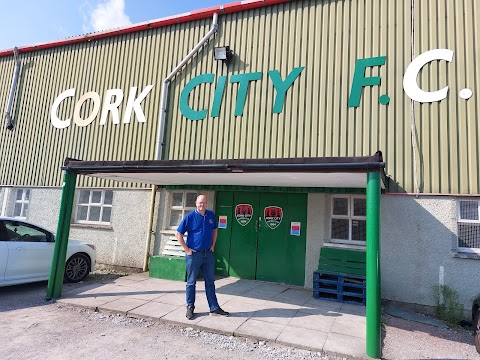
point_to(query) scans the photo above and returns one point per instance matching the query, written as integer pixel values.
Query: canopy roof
(346, 172)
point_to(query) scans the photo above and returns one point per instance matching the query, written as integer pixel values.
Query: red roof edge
(190, 16)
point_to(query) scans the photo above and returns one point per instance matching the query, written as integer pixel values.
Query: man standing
(201, 226)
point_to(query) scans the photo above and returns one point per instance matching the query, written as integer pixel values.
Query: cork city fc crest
(273, 216)
(243, 213)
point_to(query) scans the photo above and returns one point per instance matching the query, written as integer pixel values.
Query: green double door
(261, 236)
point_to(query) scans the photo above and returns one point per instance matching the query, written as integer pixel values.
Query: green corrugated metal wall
(326, 37)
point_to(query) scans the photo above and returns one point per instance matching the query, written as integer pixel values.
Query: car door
(30, 251)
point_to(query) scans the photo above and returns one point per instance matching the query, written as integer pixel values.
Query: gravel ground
(404, 339)
(33, 328)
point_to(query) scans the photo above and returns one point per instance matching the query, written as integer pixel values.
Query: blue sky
(49, 20)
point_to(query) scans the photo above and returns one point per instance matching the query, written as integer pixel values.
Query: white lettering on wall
(111, 103)
(56, 121)
(77, 119)
(134, 104)
(108, 106)
(410, 84)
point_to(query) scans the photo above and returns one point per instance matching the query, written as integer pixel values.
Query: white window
(20, 206)
(94, 207)
(348, 220)
(182, 202)
(469, 226)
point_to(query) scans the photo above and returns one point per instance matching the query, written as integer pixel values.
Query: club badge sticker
(273, 216)
(243, 213)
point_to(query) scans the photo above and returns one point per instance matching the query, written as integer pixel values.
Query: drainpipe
(161, 128)
(150, 227)
(166, 83)
(412, 106)
(8, 116)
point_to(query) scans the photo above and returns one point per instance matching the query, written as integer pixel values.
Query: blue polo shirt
(199, 228)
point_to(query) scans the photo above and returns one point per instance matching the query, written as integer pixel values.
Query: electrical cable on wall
(412, 107)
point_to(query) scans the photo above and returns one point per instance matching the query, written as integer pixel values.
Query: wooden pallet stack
(340, 276)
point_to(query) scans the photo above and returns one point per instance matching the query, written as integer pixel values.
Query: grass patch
(448, 307)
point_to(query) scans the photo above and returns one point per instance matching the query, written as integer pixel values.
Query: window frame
(183, 208)
(350, 217)
(466, 221)
(23, 202)
(91, 204)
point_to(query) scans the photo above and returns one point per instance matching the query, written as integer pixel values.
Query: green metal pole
(57, 271)
(374, 335)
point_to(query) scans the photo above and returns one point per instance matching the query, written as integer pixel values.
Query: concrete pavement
(266, 311)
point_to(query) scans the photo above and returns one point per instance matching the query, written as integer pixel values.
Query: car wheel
(476, 326)
(77, 268)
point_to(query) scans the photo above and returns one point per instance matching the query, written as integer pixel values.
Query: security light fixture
(223, 53)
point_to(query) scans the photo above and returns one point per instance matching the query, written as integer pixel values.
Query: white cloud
(107, 14)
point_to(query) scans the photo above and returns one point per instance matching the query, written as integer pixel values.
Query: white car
(26, 252)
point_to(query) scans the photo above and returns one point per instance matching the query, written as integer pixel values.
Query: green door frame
(373, 306)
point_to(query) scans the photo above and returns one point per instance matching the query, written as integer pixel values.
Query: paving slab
(239, 308)
(159, 284)
(178, 316)
(152, 310)
(145, 295)
(271, 304)
(266, 286)
(173, 299)
(235, 287)
(320, 310)
(201, 306)
(345, 344)
(304, 338)
(122, 305)
(253, 301)
(352, 319)
(70, 292)
(312, 322)
(89, 302)
(313, 303)
(294, 296)
(344, 325)
(275, 315)
(263, 293)
(259, 310)
(223, 299)
(354, 309)
(260, 330)
(221, 324)
(103, 290)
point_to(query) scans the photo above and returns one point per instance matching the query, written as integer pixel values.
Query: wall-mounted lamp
(223, 53)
